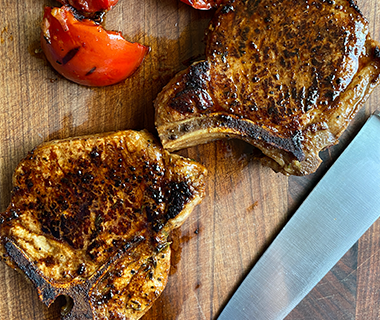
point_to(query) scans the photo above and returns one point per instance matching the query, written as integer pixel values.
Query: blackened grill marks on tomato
(91, 71)
(98, 16)
(69, 55)
(76, 13)
(48, 41)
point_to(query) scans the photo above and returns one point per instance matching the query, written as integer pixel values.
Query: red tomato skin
(203, 4)
(90, 5)
(83, 52)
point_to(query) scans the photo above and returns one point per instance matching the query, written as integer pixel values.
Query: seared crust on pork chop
(90, 217)
(286, 76)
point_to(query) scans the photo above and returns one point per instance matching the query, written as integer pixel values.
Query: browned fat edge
(244, 128)
(79, 290)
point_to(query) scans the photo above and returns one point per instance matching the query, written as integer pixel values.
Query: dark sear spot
(81, 269)
(178, 195)
(376, 52)
(355, 6)
(227, 9)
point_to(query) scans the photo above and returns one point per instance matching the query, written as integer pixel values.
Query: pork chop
(90, 217)
(287, 76)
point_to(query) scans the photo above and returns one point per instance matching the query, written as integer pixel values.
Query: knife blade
(341, 207)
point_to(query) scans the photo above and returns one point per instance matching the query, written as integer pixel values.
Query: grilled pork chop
(90, 217)
(286, 76)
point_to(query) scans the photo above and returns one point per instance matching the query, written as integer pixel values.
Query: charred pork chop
(286, 76)
(90, 217)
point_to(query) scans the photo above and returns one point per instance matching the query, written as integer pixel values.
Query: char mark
(70, 55)
(194, 95)
(179, 194)
(292, 144)
(354, 5)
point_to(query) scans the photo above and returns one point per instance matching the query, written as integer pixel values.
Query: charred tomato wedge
(82, 51)
(90, 5)
(203, 4)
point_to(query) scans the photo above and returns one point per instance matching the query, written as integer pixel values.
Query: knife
(342, 206)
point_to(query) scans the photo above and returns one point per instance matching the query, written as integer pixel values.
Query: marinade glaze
(286, 76)
(89, 218)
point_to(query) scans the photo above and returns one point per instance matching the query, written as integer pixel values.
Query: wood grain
(246, 204)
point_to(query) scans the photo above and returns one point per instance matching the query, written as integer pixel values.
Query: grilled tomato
(84, 52)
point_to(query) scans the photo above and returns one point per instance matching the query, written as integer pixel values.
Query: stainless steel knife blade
(342, 206)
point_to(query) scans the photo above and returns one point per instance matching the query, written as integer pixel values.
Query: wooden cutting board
(246, 204)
